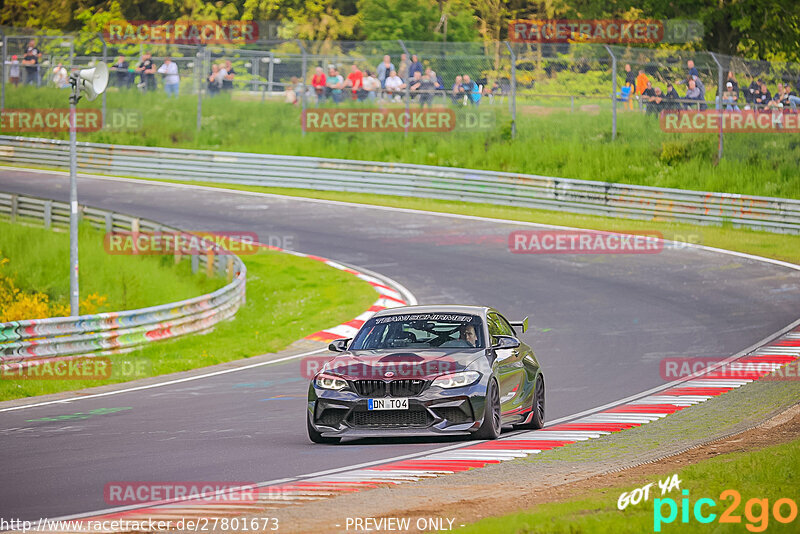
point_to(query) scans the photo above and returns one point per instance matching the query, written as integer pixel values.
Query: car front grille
(418, 417)
(370, 388)
(396, 388)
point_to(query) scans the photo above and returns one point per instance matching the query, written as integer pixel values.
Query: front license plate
(387, 404)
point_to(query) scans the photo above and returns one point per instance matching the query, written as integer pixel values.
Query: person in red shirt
(355, 80)
(318, 83)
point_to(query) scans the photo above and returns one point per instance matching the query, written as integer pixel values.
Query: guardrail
(502, 188)
(25, 342)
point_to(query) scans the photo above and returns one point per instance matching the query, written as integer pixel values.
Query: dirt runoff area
(470, 496)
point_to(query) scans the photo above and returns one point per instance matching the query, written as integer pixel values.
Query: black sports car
(428, 370)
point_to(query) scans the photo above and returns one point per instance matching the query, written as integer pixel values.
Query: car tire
(537, 408)
(492, 423)
(317, 437)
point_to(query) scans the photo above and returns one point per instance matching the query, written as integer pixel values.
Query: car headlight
(457, 380)
(326, 381)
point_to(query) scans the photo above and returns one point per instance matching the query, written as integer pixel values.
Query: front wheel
(491, 426)
(316, 436)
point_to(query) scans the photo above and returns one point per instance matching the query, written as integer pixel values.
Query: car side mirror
(505, 342)
(339, 345)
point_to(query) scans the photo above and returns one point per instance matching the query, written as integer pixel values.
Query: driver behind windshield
(467, 333)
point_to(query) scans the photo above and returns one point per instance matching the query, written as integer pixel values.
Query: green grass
(39, 261)
(771, 473)
(767, 244)
(287, 298)
(563, 144)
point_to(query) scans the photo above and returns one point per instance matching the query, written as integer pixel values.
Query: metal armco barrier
(508, 189)
(24, 342)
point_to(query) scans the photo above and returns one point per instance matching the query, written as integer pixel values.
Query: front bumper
(434, 412)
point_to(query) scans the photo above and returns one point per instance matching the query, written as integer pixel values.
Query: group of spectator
(387, 82)
(125, 74)
(30, 63)
(756, 97)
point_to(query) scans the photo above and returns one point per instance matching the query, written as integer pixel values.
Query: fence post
(719, 105)
(200, 62)
(271, 71)
(105, 59)
(195, 263)
(14, 207)
(408, 91)
(513, 100)
(109, 222)
(305, 90)
(613, 92)
(48, 214)
(3, 77)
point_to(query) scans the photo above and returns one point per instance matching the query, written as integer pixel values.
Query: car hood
(401, 364)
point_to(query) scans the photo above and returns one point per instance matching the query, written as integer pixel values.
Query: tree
(417, 20)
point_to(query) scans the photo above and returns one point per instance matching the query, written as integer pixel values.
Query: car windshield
(420, 331)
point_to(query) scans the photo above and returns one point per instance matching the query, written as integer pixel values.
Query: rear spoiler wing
(522, 325)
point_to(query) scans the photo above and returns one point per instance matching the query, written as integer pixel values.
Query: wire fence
(581, 77)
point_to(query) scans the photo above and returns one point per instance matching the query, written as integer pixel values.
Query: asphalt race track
(599, 323)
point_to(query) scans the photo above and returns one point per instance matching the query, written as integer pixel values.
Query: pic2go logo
(756, 511)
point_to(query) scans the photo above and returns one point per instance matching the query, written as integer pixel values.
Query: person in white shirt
(394, 85)
(371, 85)
(60, 77)
(172, 79)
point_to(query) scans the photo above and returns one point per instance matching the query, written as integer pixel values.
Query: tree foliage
(761, 29)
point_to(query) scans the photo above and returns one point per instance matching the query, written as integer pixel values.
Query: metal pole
(513, 102)
(200, 69)
(74, 301)
(613, 92)
(3, 77)
(719, 105)
(271, 67)
(303, 78)
(105, 60)
(408, 91)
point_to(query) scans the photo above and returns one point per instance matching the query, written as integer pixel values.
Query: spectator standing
(355, 80)
(426, 88)
(230, 74)
(215, 80)
(641, 82)
(630, 77)
(335, 84)
(31, 63)
(692, 93)
(730, 98)
(750, 94)
(384, 68)
(691, 69)
(457, 91)
(394, 85)
(472, 90)
(60, 76)
(734, 83)
(402, 69)
(414, 84)
(763, 96)
(371, 85)
(318, 83)
(415, 67)
(172, 80)
(656, 104)
(147, 72)
(14, 71)
(121, 74)
(671, 98)
(647, 96)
